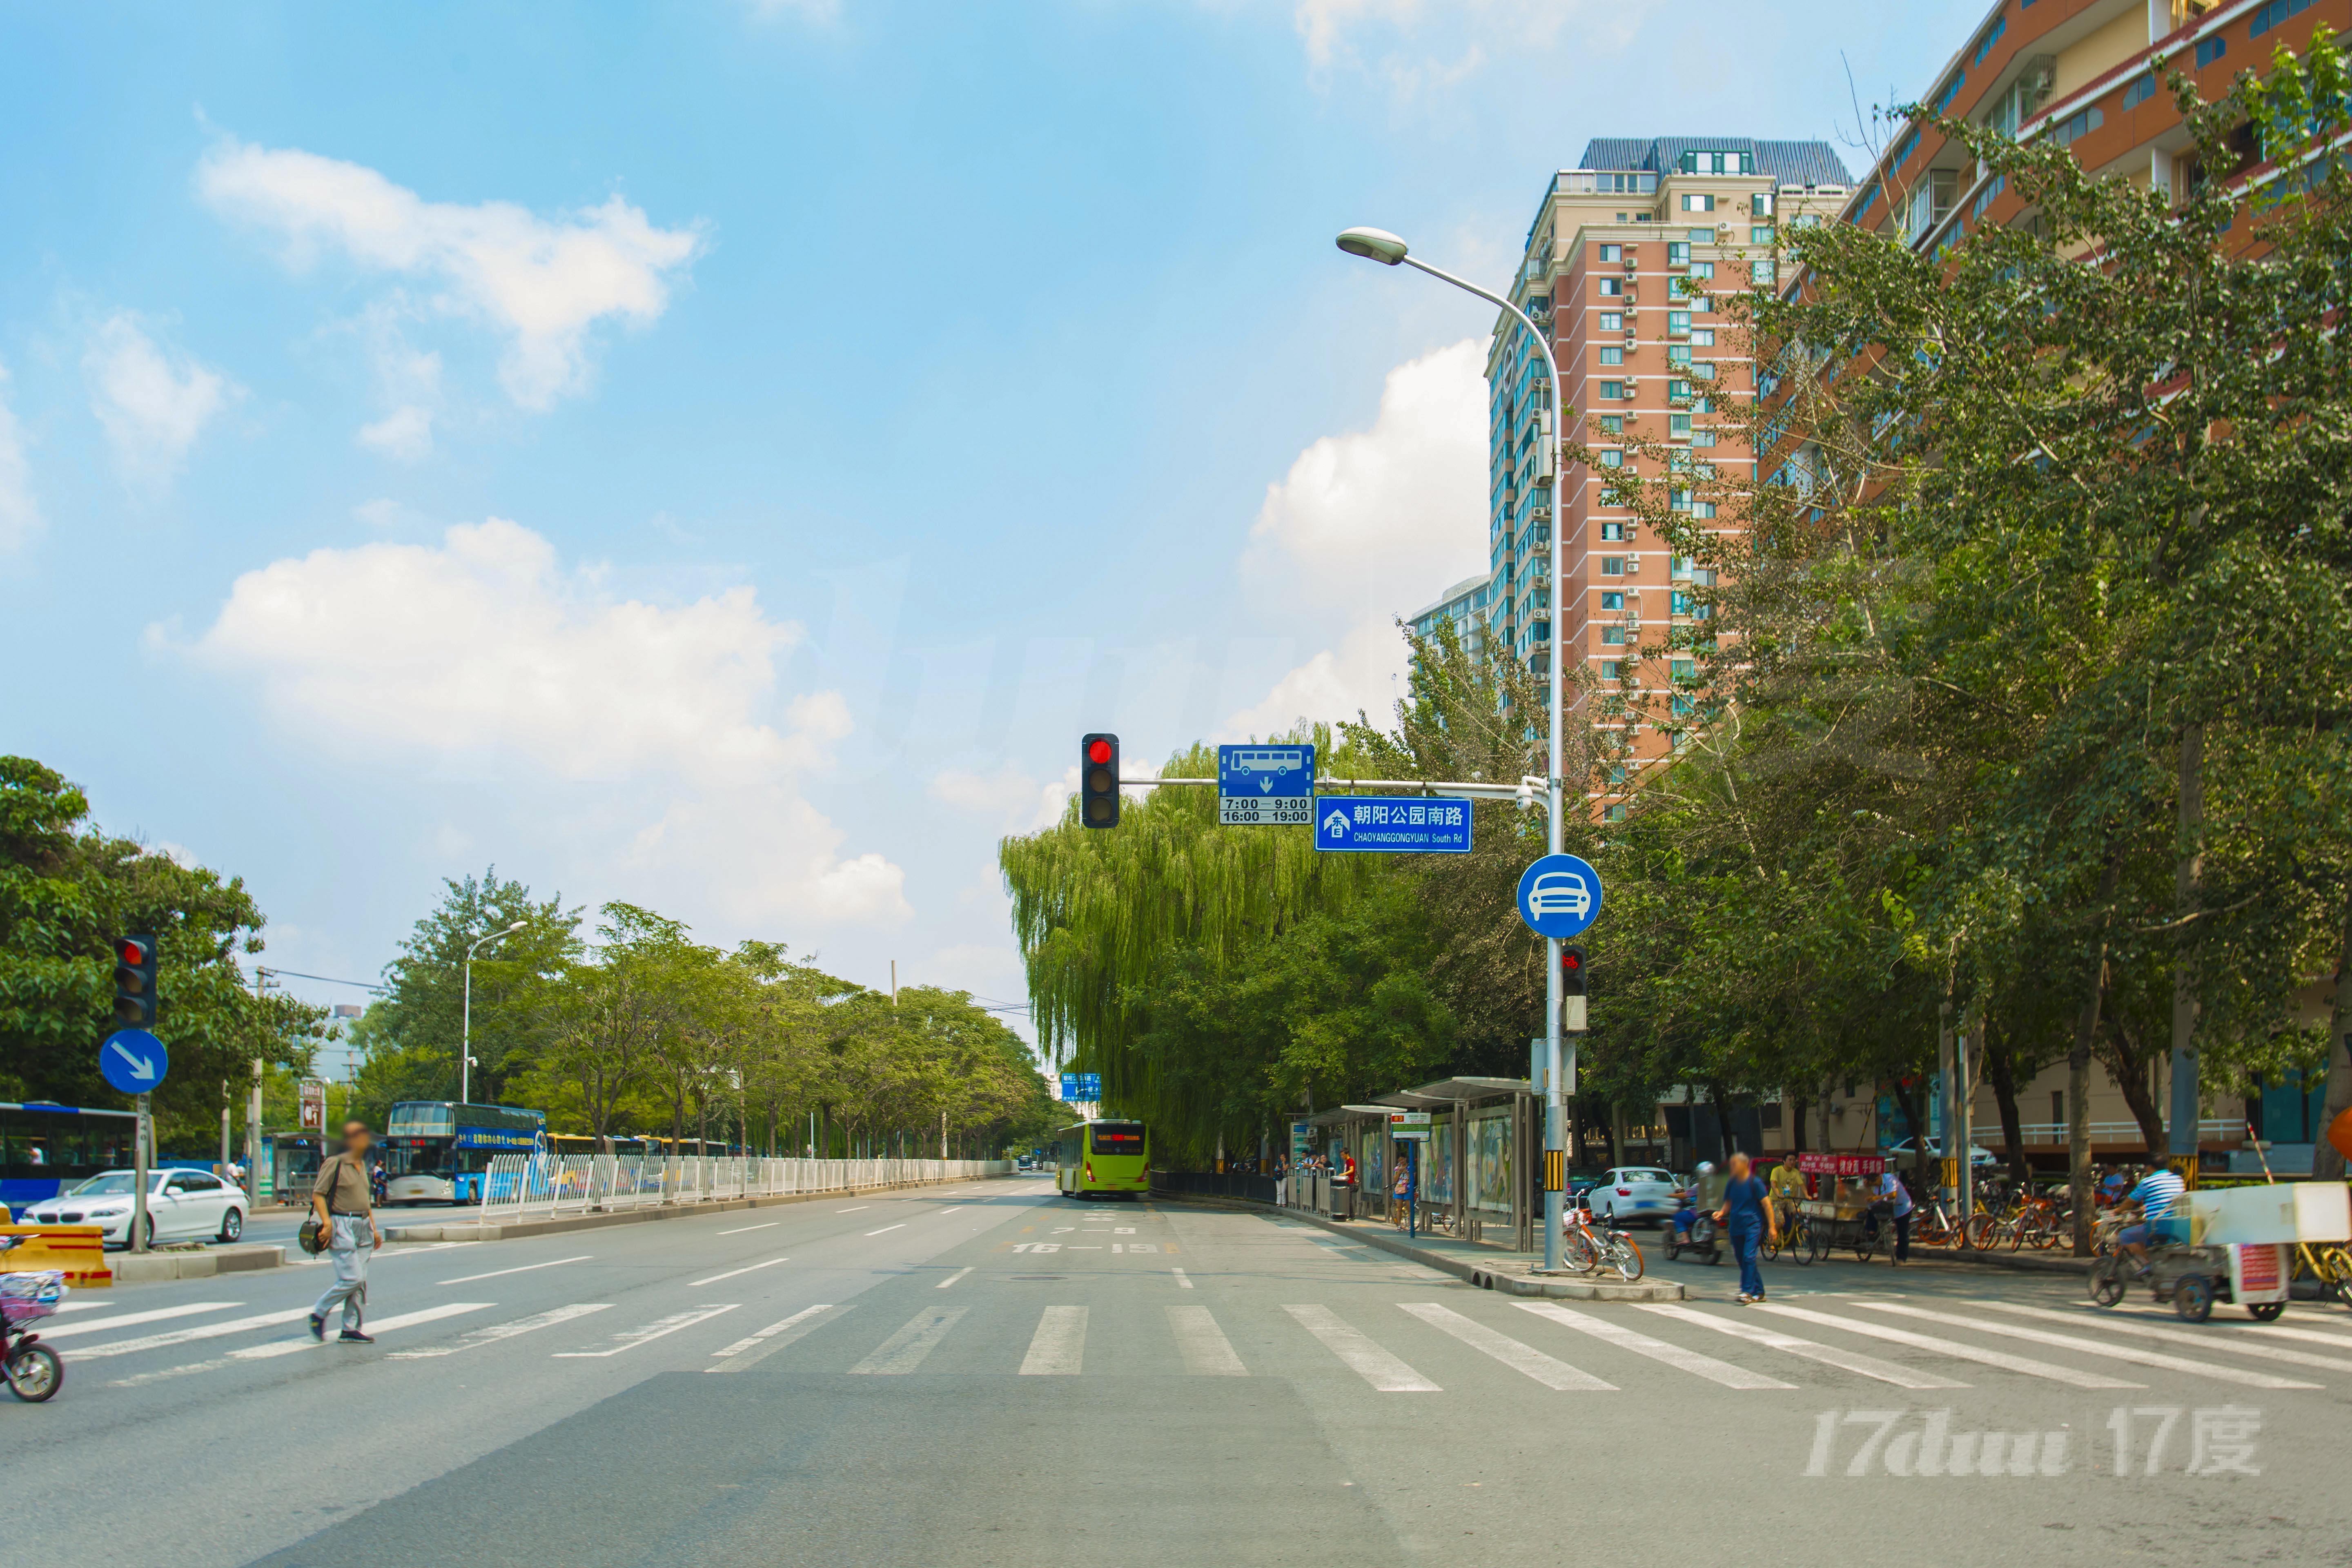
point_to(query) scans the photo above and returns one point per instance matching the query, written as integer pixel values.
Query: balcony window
(1613, 392)
(1612, 636)
(1612, 253)
(1613, 601)
(1613, 321)
(1761, 274)
(1677, 252)
(1760, 204)
(1610, 669)
(1678, 322)
(1612, 566)
(1612, 356)
(1617, 532)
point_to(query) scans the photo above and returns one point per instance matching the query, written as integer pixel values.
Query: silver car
(1629, 1193)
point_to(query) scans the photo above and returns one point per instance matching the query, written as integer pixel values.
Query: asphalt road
(991, 1375)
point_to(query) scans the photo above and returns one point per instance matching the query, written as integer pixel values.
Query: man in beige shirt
(339, 1199)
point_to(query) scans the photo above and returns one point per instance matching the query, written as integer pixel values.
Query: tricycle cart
(1843, 1222)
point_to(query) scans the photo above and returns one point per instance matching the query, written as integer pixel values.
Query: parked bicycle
(1587, 1250)
(33, 1371)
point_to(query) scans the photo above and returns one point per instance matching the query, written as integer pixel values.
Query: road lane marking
(1546, 1370)
(630, 1339)
(2002, 1359)
(184, 1336)
(1811, 1349)
(1183, 1278)
(904, 1351)
(1354, 1347)
(753, 1348)
(2233, 1338)
(957, 1209)
(1623, 1338)
(93, 1325)
(730, 1274)
(1206, 1350)
(742, 1230)
(954, 1276)
(525, 1269)
(382, 1326)
(1058, 1348)
(506, 1330)
(855, 1209)
(888, 1228)
(2092, 1347)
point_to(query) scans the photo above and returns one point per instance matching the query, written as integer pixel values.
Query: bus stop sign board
(1274, 782)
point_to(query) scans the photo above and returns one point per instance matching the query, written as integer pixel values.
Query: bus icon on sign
(1287, 761)
(1560, 893)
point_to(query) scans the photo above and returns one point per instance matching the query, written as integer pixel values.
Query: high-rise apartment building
(1464, 606)
(1627, 253)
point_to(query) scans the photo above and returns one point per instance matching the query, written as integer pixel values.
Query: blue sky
(722, 455)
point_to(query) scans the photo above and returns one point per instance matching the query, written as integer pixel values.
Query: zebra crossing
(1390, 1346)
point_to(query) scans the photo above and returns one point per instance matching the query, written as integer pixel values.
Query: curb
(150, 1267)
(477, 1230)
(2023, 1262)
(1485, 1278)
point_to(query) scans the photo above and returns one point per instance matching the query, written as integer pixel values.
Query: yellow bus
(1103, 1157)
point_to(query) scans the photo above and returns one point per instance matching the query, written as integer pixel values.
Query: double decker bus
(46, 1147)
(1098, 1157)
(438, 1151)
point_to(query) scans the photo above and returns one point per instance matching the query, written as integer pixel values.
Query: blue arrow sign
(1559, 895)
(1392, 824)
(133, 1060)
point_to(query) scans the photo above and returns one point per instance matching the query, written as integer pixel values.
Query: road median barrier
(514, 1229)
(194, 1263)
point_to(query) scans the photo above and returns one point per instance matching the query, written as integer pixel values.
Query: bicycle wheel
(1983, 1230)
(1625, 1256)
(1578, 1252)
(2107, 1282)
(1800, 1241)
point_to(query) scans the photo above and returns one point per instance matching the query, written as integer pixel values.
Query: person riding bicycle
(2154, 1199)
(1788, 1184)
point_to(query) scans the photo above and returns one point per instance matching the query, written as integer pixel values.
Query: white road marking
(182, 1336)
(740, 1230)
(1546, 1370)
(730, 1274)
(2241, 1342)
(957, 1209)
(1058, 1348)
(525, 1269)
(1206, 1350)
(381, 1326)
(507, 1331)
(2220, 1331)
(954, 1276)
(1181, 1277)
(752, 1348)
(94, 1325)
(2002, 1359)
(1811, 1349)
(1623, 1338)
(904, 1351)
(630, 1339)
(1353, 1346)
(855, 1208)
(2092, 1347)
(84, 1306)
(888, 1228)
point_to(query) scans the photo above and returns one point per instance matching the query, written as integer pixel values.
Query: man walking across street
(346, 1216)
(1747, 1216)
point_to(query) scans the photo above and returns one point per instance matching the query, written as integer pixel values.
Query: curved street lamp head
(517, 925)
(1375, 244)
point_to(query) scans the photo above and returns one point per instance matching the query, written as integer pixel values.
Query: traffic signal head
(1098, 781)
(1572, 971)
(134, 981)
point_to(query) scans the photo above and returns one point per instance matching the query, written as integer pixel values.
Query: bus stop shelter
(1482, 1155)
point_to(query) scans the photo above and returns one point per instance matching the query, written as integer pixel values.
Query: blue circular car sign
(1559, 895)
(133, 1060)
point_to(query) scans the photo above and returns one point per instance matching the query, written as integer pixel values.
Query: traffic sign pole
(139, 1167)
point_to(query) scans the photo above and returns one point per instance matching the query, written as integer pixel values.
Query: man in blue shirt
(2157, 1193)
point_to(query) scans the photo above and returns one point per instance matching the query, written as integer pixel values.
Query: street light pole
(1378, 245)
(466, 1039)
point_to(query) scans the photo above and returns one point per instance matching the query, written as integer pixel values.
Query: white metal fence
(521, 1187)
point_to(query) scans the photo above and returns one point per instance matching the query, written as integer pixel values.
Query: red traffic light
(129, 950)
(1571, 960)
(1099, 751)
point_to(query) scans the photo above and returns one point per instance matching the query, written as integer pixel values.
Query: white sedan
(182, 1204)
(1629, 1193)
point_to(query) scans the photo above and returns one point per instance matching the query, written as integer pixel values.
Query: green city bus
(1103, 1157)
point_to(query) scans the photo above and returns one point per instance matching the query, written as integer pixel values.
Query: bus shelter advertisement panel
(1490, 1162)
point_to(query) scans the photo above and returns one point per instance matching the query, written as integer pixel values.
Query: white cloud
(1416, 45)
(1008, 795)
(638, 731)
(543, 283)
(20, 514)
(1369, 526)
(405, 432)
(153, 404)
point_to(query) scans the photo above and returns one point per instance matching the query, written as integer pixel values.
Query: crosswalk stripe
(1058, 1348)
(904, 1351)
(160, 1314)
(1549, 1370)
(1353, 1346)
(1623, 1338)
(2266, 1330)
(1811, 1349)
(506, 1330)
(376, 1326)
(187, 1336)
(1206, 1350)
(1954, 1348)
(754, 1348)
(2243, 1341)
(630, 1339)
(2092, 1347)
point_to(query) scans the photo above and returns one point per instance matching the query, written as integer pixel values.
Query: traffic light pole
(139, 1158)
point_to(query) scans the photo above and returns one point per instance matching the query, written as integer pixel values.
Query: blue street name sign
(1559, 895)
(133, 1060)
(1085, 1085)
(1392, 824)
(1273, 782)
